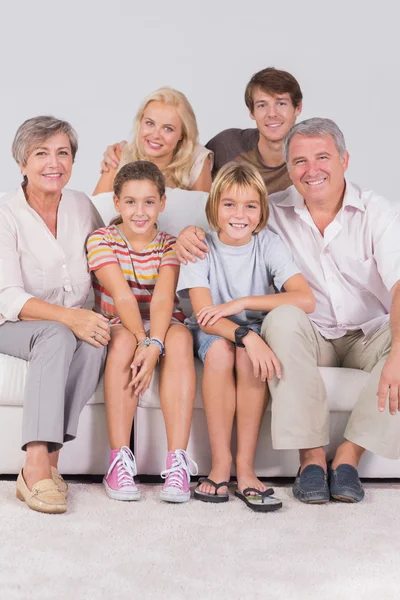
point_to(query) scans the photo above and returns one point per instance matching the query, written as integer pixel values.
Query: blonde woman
(164, 133)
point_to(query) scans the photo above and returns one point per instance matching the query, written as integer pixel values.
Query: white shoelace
(126, 467)
(181, 463)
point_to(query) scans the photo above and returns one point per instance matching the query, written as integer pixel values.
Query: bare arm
(126, 306)
(200, 298)
(297, 293)
(190, 243)
(161, 308)
(264, 361)
(204, 180)
(389, 384)
(109, 168)
(162, 303)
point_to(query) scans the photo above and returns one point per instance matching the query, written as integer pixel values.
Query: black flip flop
(261, 502)
(211, 497)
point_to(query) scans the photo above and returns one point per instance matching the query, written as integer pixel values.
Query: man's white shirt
(352, 267)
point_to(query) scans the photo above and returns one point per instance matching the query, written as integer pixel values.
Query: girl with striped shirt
(135, 273)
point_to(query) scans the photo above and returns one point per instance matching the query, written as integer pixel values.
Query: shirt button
(330, 279)
(67, 288)
(64, 266)
(338, 308)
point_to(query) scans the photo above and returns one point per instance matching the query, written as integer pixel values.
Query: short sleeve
(279, 260)
(99, 251)
(169, 258)
(199, 156)
(193, 275)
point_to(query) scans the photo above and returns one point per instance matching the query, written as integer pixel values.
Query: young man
(274, 100)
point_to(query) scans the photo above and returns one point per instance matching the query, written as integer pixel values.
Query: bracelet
(159, 344)
(147, 341)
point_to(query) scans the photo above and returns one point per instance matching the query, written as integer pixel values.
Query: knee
(221, 356)
(122, 346)
(179, 343)
(93, 357)
(282, 323)
(56, 336)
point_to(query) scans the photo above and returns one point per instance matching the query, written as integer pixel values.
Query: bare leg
(177, 386)
(348, 453)
(250, 407)
(120, 400)
(219, 396)
(37, 463)
(54, 458)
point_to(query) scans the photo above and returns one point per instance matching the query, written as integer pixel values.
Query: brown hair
(242, 175)
(273, 81)
(140, 170)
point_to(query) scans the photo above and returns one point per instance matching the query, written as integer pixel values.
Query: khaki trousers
(63, 374)
(300, 413)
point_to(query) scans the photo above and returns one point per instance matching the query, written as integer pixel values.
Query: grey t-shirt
(232, 272)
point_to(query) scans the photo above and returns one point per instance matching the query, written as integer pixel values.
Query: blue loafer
(311, 485)
(345, 484)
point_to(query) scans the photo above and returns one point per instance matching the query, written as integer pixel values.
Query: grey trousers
(300, 414)
(63, 374)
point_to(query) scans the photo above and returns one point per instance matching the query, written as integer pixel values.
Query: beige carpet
(102, 549)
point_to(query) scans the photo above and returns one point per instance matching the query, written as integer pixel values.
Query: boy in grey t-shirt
(232, 272)
(229, 292)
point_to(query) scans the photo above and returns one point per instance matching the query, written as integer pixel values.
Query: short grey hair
(316, 127)
(33, 132)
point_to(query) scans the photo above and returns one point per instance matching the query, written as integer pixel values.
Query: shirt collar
(352, 197)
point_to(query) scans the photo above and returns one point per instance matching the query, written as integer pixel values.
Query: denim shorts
(202, 341)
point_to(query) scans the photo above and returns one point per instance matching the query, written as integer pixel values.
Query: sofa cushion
(342, 385)
(12, 382)
(183, 208)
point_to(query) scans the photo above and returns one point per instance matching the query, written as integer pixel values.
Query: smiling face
(160, 130)
(239, 213)
(139, 205)
(48, 167)
(316, 169)
(274, 114)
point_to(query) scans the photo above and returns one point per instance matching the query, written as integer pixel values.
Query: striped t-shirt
(108, 246)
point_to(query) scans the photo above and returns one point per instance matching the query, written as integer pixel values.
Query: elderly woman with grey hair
(44, 282)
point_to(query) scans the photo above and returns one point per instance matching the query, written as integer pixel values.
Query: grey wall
(92, 61)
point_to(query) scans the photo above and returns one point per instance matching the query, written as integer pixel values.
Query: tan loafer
(45, 496)
(59, 481)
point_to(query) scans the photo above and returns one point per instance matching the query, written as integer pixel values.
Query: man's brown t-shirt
(241, 144)
(276, 178)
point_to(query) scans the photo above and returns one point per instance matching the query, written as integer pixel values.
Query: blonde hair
(236, 174)
(178, 171)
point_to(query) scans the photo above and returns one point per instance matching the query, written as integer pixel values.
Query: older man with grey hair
(345, 240)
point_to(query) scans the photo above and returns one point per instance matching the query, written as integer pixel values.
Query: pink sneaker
(177, 476)
(119, 480)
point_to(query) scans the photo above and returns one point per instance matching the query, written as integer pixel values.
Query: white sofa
(88, 454)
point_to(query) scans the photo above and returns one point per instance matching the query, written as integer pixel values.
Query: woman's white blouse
(33, 263)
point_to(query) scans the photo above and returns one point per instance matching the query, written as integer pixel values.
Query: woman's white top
(33, 263)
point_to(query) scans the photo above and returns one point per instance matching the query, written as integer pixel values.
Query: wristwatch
(240, 333)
